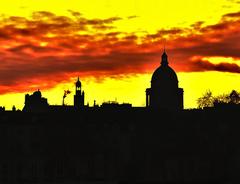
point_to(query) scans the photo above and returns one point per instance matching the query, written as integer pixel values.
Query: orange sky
(115, 46)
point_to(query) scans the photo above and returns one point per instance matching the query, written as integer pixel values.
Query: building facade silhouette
(164, 92)
(35, 103)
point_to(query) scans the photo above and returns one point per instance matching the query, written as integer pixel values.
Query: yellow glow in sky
(150, 14)
(137, 16)
(131, 89)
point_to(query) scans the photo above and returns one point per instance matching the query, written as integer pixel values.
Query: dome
(164, 76)
(37, 94)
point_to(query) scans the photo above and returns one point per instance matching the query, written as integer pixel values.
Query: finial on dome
(164, 61)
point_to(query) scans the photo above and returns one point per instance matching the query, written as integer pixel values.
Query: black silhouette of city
(118, 143)
(163, 94)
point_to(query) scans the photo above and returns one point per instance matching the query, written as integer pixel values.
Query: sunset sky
(115, 46)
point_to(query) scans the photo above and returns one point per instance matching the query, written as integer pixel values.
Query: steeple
(78, 83)
(164, 61)
(79, 96)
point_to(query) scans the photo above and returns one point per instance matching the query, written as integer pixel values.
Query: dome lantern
(164, 59)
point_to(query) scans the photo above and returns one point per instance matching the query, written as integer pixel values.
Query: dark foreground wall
(122, 146)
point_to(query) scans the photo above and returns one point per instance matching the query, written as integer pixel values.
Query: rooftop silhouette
(118, 143)
(163, 94)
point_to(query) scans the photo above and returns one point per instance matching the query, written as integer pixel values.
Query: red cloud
(203, 65)
(46, 49)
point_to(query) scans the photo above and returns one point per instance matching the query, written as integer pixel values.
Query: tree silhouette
(231, 98)
(221, 99)
(234, 97)
(207, 100)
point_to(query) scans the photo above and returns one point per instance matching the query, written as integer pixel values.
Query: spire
(78, 83)
(164, 61)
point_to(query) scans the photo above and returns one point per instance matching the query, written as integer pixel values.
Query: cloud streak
(46, 49)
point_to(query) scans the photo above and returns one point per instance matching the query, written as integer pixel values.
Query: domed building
(164, 92)
(35, 103)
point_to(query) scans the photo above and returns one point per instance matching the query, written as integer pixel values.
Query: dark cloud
(234, 1)
(46, 49)
(43, 22)
(132, 17)
(203, 65)
(22, 48)
(233, 15)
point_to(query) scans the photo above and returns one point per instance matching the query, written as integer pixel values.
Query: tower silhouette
(35, 103)
(79, 96)
(164, 92)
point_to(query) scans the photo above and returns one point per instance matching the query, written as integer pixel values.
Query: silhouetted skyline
(44, 47)
(119, 92)
(164, 94)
